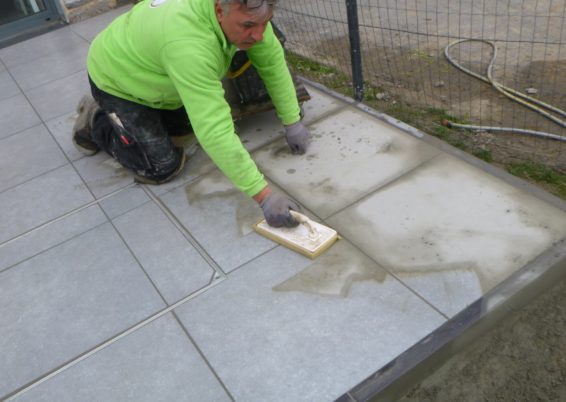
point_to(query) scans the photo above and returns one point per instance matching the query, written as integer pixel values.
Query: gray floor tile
(172, 263)
(53, 42)
(49, 236)
(28, 154)
(155, 363)
(319, 105)
(349, 156)
(103, 174)
(286, 328)
(124, 201)
(16, 114)
(196, 166)
(66, 300)
(53, 66)
(451, 231)
(62, 128)
(59, 97)
(89, 28)
(8, 86)
(256, 131)
(37, 201)
(221, 218)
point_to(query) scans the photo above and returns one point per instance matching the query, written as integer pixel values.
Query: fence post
(355, 52)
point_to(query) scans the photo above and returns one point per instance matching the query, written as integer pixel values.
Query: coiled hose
(519, 97)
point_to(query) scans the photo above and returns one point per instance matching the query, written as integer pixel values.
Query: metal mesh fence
(414, 54)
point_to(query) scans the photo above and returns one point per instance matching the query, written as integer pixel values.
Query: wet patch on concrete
(215, 189)
(334, 273)
(423, 231)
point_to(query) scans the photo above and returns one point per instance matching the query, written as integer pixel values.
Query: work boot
(87, 110)
(160, 180)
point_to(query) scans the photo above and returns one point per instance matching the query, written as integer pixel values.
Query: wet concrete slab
(450, 231)
(348, 157)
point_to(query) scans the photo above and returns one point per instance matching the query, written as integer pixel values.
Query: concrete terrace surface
(111, 290)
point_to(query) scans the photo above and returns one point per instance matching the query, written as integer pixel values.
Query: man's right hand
(276, 208)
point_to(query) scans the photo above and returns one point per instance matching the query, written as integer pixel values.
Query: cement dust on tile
(214, 190)
(453, 221)
(220, 217)
(333, 273)
(103, 174)
(348, 157)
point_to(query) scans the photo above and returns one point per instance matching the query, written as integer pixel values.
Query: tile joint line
(112, 340)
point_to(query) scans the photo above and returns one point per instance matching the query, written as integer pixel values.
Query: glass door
(24, 16)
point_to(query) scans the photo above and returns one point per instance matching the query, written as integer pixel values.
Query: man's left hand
(297, 137)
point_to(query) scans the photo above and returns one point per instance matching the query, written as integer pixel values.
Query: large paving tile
(90, 27)
(173, 264)
(59, 97)
(220, 217)
(349, 156)
(260, 129)
(103, 174)
(50, 43)
(67, 300)
(197, 165)
(49, 236)
(62, 130)
(451, 231)
(28, 154)
(156, 363)
(285, 328)
(52, 66)
(123, 201)
(16, 114)
(40, 200)
(319, 105)
(8, 86)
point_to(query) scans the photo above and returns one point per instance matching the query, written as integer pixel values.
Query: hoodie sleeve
(195, 74)
(268, 58)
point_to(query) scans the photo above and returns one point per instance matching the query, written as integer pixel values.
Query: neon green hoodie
(171, 53)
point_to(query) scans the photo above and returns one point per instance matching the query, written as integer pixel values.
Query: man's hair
(263, 9)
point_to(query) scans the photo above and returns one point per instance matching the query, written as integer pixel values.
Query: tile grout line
(40, 174)
(105, 344)
(386, 184)
(140, 265)
(200, 352)
(67, 214)
(185, 232)
(51, 247)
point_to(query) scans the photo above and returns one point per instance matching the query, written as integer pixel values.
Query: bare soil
(522, 359)
(415, 80)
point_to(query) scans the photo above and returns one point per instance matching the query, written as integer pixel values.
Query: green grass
(542, 175)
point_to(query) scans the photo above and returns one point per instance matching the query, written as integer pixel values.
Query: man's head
(244, 21)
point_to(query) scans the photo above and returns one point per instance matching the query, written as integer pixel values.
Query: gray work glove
(297, 137)
(276, 211)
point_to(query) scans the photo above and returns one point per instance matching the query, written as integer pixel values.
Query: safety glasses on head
(251, 4)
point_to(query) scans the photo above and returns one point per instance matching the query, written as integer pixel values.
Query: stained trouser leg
(142, 145)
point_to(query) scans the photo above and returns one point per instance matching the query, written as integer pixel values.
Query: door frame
(33, 24)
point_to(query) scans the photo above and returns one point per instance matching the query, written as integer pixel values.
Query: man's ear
(219, 11)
